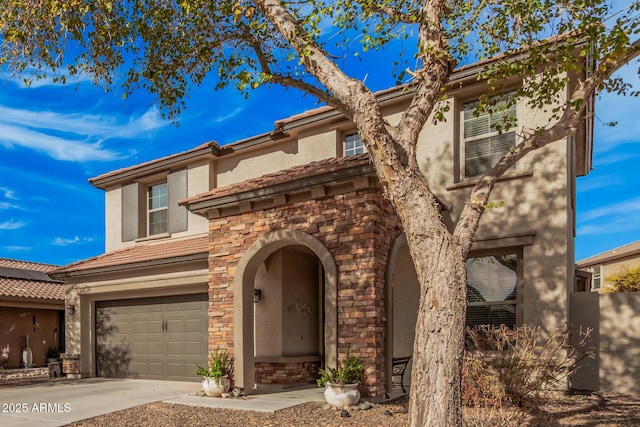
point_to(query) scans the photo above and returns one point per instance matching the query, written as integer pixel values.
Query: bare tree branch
(430, 79)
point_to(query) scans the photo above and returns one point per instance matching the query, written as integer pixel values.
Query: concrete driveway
(57, 403)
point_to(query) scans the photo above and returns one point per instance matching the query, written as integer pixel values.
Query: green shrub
(627, 280)
(350, 371)
(219, 366)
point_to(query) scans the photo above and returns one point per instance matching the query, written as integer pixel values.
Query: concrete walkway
(57, 403)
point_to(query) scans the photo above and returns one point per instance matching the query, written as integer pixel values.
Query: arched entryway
(403, 299)
(295, 321)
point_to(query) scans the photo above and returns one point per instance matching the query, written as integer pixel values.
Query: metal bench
(399, 366)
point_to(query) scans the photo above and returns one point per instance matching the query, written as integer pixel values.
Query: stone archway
(247, 268)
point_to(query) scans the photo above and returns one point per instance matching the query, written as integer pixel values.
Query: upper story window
(151, 208)
(492, 285)
(353, 145)
(158, 209)
(484, 146)
(596, 279)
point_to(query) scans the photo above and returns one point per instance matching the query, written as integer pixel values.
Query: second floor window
(353, 145)
(484, 146)
(152, 209)
(597, 277)
(158, 209)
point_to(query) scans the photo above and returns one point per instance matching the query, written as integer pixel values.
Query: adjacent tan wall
(620, 342)
(41, 326)
(615, 319)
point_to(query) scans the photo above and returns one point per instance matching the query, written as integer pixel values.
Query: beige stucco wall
(615, 319)
(537, 201)
(619, 346)
(199, 180)
(287, 316)
(113, 220)
(83, 295)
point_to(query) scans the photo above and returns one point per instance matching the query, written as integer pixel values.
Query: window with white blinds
(483, 144)
(158, 202)
(491, 290)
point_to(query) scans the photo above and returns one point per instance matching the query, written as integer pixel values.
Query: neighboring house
(606, 264)
(614, 320)
(283, 249)
(31, 303)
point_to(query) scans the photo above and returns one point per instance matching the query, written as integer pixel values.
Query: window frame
(358, 148)
(151, 210)
(596, 276)
(490, 136)
(517, 301)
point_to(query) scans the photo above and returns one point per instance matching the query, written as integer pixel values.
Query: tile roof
(624, 251)
(29, 289)
(27, 280)
(26, 265)
(140, 252)
(285, 175)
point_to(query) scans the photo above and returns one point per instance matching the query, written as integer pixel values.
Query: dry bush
(504, 365)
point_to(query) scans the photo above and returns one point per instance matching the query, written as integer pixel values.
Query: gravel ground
(591, 410)
(308, 414)
(598, 409)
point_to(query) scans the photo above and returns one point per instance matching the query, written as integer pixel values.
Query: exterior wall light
(257, 294)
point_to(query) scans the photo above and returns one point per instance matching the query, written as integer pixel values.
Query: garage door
(154, 338)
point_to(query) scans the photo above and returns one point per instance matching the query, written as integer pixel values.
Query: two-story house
(282, 249)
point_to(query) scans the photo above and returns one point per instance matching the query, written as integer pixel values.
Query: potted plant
(342, 383)
(53, 355)
(215, 380)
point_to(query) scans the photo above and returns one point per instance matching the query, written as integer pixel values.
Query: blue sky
(54, 138)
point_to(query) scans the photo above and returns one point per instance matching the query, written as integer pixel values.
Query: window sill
(470, 182)
(154, 237)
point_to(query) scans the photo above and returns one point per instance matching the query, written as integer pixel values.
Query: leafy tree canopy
(166, 47)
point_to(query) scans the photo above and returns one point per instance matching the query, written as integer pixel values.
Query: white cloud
(8, 193)
(47, 81)
(56, 147)
(17, 248)
(72, 137)
(620, 109)
(59, 241)
(12, 225)
(7, 205)
(590, 183)
(222, 119)
(614, 218)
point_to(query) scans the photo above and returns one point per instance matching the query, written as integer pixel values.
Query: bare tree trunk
(439, 342)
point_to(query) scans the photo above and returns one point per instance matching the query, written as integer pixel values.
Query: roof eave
(165, 163)
(115, 268)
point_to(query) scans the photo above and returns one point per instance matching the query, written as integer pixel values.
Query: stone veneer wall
(357, 228)
(286, 373)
